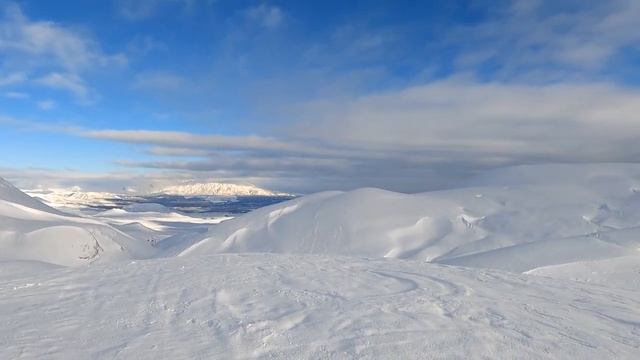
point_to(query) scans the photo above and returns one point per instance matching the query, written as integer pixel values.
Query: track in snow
(300, 306)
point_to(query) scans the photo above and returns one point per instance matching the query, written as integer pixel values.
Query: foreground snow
(297, 306)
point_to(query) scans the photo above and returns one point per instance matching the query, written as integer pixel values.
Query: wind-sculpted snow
(310, 307)
(591, 213)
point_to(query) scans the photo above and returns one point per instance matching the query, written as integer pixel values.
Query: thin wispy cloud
(54, 55)
(46, 105)
(160, 81)
(16, 95)
(68, 82)
(46, 43)
(139, 10)
(12, 79)
(268, 16)
(528, 35)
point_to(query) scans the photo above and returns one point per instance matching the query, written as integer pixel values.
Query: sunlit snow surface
(302, 306)
(527, 262)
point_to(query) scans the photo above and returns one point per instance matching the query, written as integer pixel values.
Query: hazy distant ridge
(218, 189)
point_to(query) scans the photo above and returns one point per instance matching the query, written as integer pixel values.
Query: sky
(305, 96)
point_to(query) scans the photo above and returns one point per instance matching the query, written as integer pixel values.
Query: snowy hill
(592, 214)
(30, 230)
(218, 189)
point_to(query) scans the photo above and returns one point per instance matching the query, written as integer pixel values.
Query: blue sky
(310, 95)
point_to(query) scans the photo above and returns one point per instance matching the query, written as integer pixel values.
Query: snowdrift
(515, 219)
(31, 230)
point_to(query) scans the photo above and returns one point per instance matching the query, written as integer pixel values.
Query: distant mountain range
(218, 189)
(78, 198)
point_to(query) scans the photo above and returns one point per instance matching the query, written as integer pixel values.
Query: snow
(168, 231)
(620, 272)
(11, 194)
(536, 262)
(218, 189)
(74, 198)
(590, 214)
(311, 307)
(30, 230)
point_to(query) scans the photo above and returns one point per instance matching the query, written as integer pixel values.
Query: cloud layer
(413, 139)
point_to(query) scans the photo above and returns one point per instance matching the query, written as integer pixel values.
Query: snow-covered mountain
(218, 189)
(33, 231)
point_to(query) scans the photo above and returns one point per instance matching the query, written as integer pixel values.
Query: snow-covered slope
(620, 272)
(308, 307)
(30, 230)
(73, 198)
(592, 214)
(217, 189)
(10, 194)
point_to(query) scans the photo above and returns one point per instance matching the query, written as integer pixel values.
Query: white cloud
(187, 140)
(559, 122)
(142, 45)
(68, 82)
(46, 104)
(16, 95)
(12, 79)
(177, 152)
(138, 10)
(266, 15)
(45, 43)
(415, 138)
(411, 139)
(38, 46)
(160, 81)
(28, 125)
(531, 34)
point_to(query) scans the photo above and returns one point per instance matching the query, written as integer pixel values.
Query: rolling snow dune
(263, 306)
(32, 231)
(592, 213)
